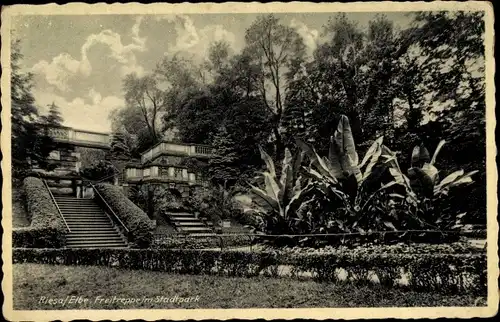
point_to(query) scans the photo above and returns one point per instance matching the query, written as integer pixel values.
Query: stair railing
(54, 201)
(114, 218)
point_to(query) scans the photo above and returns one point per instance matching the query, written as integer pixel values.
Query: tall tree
(143, 94)
(30, 145)
(121, 145)
(278, 51)
(223, 167)
(53, 117)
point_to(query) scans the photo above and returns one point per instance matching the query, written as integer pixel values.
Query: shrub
(218, 241)
(427, 200)
(47, 228)
(214, 204)
(427, 272)
(49, 237)
(98, 170)
(350, 190)
(278, 202)
(137, 222)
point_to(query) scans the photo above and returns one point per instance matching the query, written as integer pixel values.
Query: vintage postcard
(278, 160)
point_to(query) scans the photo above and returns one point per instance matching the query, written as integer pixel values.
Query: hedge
(47, 228)
(449, 273)
(185, 242)
(137, 222)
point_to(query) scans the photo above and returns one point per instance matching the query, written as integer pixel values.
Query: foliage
(34, 237)
(31, 144)
(219, 241)
(137, 222)
(426, 197)
(47, 228)
(222, 167)
(121, 145)
(98, 170)
(215, 203)
(353, 191)
(53, 117)
(447, 273)
(143, 93)
(276, 51)
(277, 205)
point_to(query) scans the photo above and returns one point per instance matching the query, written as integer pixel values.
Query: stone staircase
(188, 224)
(89, 224)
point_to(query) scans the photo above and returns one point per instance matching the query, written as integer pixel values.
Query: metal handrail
(55, 202)
(109, 207)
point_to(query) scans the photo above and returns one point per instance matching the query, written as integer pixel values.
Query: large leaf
(265, 197)
(286, 180)
(319, 164)
(345, 142)
(431, 171)
(335, 158)
(466, 178)
(449, 179)
(421, 181)
(419, 156)
(272, 187)
(295, 201)
(373, 161)
(269, 162)
(376, 145)
(297, 163)
(439, 147)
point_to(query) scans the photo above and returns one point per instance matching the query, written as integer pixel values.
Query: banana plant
(340, 176)
(425, 193)
(277, 203)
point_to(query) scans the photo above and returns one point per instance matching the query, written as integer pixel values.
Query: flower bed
(428, 272)
(47, 228)
(401, 248)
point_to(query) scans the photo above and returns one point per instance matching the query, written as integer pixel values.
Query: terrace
(168, 148)
(81, 137)
(158, 174)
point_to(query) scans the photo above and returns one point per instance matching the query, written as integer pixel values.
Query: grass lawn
(34, 281)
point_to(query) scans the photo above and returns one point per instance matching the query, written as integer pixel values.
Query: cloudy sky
(79, 61)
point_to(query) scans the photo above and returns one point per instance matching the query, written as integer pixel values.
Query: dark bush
(137, 222)
(427, 272)
(47, 227)
(38, 237)
(98, 170)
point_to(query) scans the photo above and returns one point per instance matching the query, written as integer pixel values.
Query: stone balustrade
(81, 137)
(177, 149)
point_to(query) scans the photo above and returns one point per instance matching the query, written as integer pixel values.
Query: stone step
(195, 229)
(184, 218)
(109, 245)
(93, 229)
(100, 238)
(89, 225)
(180, 214)
(91, 233)
(76, 212)
(190, 224)
(86, 220)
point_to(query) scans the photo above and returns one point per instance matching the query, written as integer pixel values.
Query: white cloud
(310, 36)
(79, 113)
(64, 67)
(61, 69)
(196, 42)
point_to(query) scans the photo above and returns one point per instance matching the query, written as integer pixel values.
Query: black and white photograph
(260, 158)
